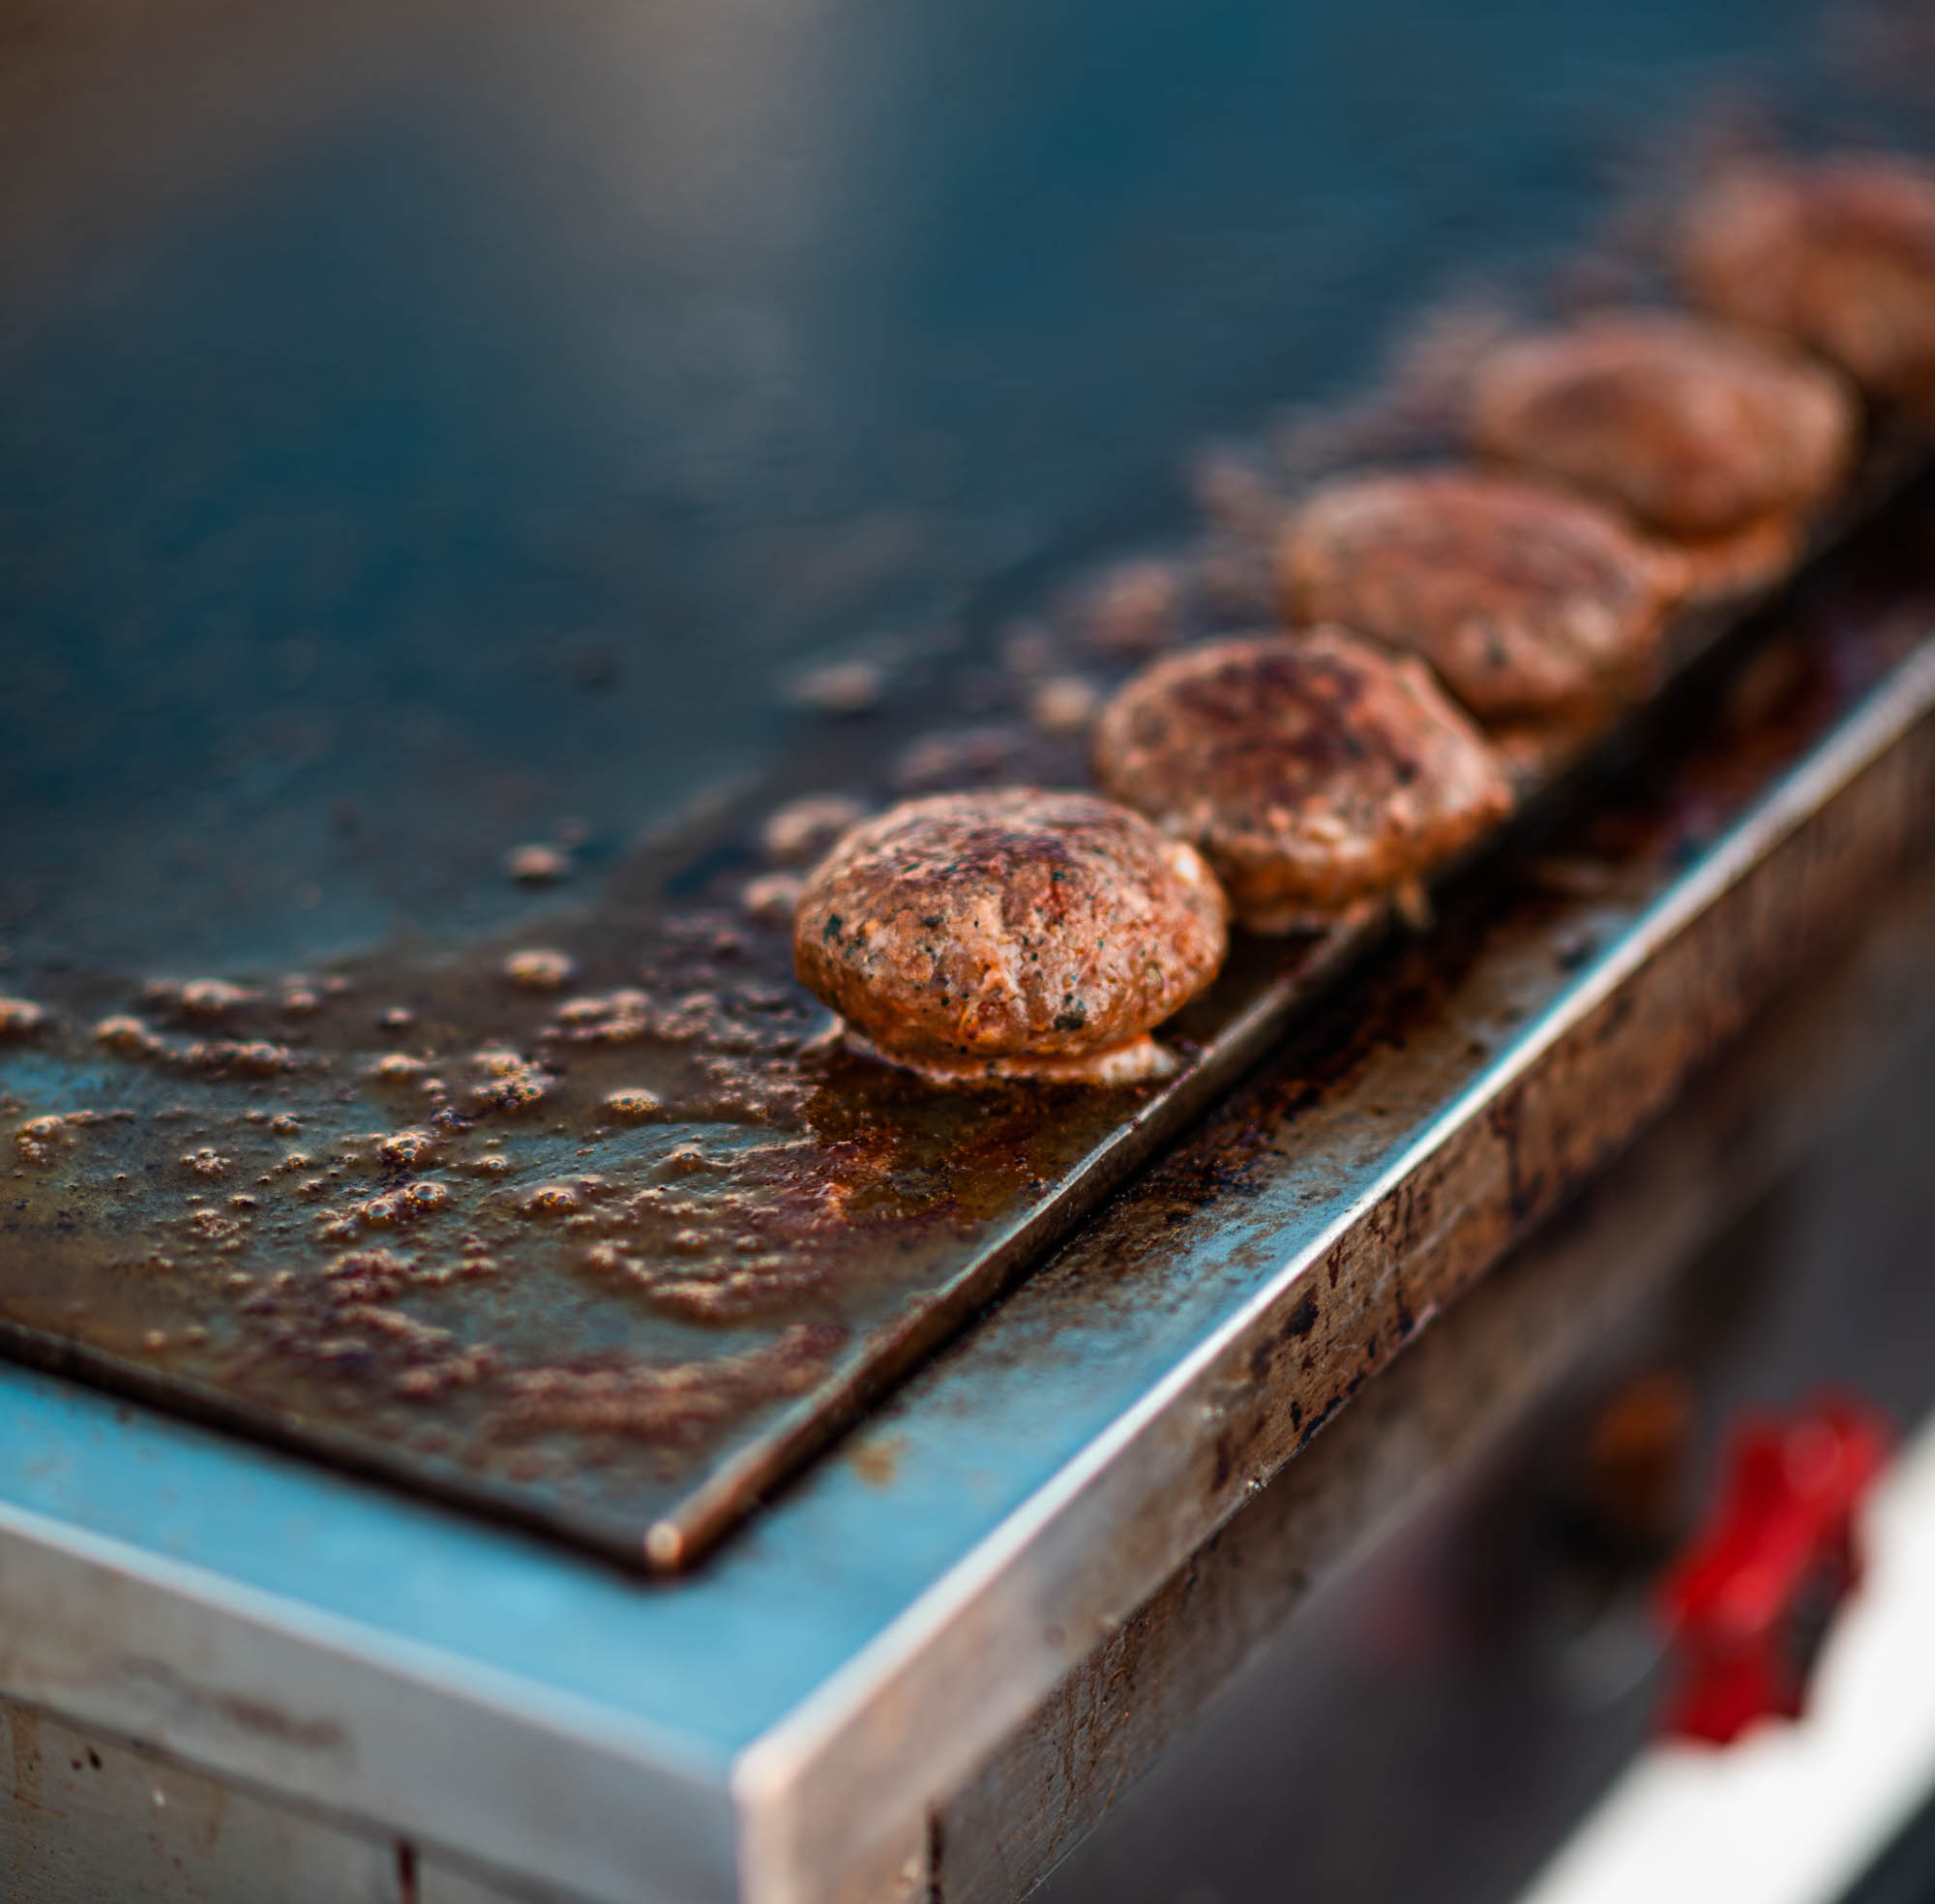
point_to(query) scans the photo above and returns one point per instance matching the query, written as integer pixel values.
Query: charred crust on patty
(1010, 933)
(1316, 772)
(1698, 432)
(1527, 602)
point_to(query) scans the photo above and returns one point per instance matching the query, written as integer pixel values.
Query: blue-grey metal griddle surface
(426, 432)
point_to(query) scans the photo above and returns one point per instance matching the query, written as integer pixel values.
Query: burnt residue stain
(266, 1721)
(1302, 1319)
(256, 1717)
(1224, 1464)
(1308, 1431)
(568, 1221)
(559, 1222)
(571, 1236)
(1525, 1187)
(878, 1461)
(24, 1725)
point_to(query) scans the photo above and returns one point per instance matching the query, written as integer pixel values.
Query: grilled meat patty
(1525, 600)
(1010, 933)
(1839, 254)
(1314, 770)
(1697, 431)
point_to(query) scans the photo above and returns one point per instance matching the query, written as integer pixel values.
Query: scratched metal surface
(365, 517)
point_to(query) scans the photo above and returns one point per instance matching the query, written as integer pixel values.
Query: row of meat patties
(1434, 620)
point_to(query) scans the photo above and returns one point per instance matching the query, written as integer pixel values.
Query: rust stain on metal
(876, 1462)
(26, 1752)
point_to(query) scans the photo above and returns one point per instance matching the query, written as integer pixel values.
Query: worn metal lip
(652, 1747)
(175, 1621)
(765, 1774)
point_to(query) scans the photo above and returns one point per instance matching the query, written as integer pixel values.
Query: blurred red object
(1749, 1603)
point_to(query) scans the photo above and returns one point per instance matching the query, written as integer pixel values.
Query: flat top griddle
(364, 518)
(450, 424)
(385, 1213)
(754, 1730)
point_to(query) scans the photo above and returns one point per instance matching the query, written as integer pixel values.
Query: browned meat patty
(1696, 430)
(1314, 770)
(1525, 600)
(1010, 933)
(1840, 254)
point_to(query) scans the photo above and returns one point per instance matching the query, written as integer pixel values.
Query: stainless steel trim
(286, 1699)
(1121, 1516)
(778, 1722)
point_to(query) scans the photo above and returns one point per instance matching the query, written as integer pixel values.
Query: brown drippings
(1064, 704)
(677, 1405)
(842, 687)
(537, 865)
(773, 897)
(803, 829)
(1134, 609)
(538, 971)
